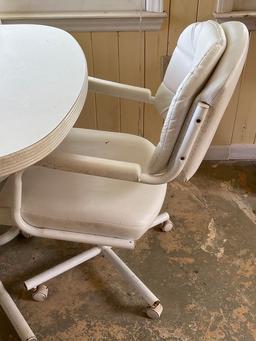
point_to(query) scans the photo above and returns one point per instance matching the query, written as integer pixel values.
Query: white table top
(43, 85)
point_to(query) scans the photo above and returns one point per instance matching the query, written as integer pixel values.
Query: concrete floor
(204, 272)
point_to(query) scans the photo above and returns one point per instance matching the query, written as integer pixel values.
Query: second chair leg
(154, 308)
(41, 291)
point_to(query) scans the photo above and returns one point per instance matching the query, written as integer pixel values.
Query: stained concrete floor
(204, 272)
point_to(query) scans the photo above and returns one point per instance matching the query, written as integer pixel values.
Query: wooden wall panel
(106, 66)
(224, 133)
(155, 48)
(87, 117)
(182, 14)
(131, 64)
(245, 124)
(205, 9)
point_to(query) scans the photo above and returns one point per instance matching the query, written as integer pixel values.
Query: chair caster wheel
(167, 226)
(40, 293)
(26, 235)
(154, 312)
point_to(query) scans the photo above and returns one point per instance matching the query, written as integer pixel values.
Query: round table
(43, 86)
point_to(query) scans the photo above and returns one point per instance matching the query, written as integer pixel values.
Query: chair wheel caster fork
(40, 293)
(154, 312)
(167, 226)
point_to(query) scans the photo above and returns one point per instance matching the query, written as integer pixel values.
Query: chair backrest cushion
(198, 51)
(217, 94)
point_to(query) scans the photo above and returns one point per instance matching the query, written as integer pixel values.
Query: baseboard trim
(232, 152)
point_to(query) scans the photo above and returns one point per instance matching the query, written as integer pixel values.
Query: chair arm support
(93, 166)
(115, 89)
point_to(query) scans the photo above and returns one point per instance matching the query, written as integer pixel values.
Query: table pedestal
(19, 323)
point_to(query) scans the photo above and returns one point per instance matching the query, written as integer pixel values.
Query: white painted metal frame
(19, 323)
(149, 297)
(154, 306)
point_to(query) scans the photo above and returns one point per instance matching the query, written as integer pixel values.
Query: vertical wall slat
(106, 66)
(245, 124)
(87, 118)
(155, 48)
(131, 63)
(224, 133)
(182, 14)
(205, 9)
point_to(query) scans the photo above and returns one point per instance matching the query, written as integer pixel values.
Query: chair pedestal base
(154, 308)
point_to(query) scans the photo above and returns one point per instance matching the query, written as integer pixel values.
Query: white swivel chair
(106, 188)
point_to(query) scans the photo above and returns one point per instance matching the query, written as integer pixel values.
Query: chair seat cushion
(88, 204)
(108, 145)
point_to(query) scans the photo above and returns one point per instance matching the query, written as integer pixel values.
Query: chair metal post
(149, 297)
(61, 268)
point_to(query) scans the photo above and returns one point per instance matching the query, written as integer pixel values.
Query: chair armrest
(92, 166)
(115, 89)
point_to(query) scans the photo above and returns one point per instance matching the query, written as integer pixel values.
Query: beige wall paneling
(155, 48)
(182, 14)
(224, 133)
(106, 66)
(205, 9)
(131, 64)
(245, 124)
(87, 118)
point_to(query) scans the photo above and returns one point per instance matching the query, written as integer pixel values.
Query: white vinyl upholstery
(217, 93)
(90, 204)
(198, 50)
(108, 145)
(87, 204)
